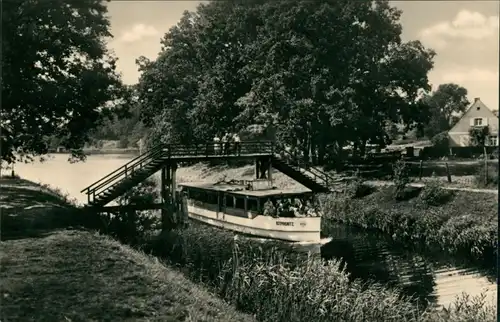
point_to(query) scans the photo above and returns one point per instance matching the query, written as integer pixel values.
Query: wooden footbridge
(166, 157)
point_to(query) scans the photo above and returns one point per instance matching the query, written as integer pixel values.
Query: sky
(463, 33)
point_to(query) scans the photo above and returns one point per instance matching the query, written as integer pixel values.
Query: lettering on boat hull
(284, 223)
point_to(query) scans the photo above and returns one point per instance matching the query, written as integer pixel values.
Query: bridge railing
(124, 171)
(216, 149)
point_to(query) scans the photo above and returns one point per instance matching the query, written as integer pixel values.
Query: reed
(275, 284)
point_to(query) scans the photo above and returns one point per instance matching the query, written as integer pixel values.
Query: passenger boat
(239, 206)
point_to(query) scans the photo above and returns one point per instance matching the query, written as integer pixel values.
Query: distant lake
(369, 256)
(71, 178)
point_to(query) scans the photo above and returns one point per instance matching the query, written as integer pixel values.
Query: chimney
(476, 99)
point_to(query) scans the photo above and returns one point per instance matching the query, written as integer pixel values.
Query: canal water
(433, 278)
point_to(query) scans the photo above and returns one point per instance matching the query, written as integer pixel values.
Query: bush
(131, 226)
(123, 143)
(479, 135)
(467, 224)
(401, 179)
(357, 188)
(441, 143)
(433, 194)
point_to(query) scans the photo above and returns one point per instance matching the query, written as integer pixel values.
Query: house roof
(477, 103)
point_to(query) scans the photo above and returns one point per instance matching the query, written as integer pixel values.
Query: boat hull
(304, 229)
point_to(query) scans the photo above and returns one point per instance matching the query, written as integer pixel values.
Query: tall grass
(276, 284)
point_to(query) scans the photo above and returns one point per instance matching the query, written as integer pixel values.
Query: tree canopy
(448, 101)
(125, 127)
(314, 75)
(58, 78)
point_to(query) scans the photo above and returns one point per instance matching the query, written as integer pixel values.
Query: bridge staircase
(118, 182)
(307, 175)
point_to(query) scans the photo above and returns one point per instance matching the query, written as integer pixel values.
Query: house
(477, 115)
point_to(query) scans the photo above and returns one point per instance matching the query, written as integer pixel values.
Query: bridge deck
(215, 151)
(201, 157)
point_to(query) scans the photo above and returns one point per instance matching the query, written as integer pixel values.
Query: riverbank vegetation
(52, 270)
(459, 222)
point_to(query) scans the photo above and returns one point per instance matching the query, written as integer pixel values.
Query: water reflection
(433, 279)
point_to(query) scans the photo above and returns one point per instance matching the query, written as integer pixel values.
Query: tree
(125, 126)
(313, 75)
(58, 78)
(447, 101)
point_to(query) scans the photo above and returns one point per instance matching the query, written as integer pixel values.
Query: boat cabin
(239, 199)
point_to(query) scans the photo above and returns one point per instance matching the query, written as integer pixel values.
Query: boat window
(252, 204)
(195, 195)
(202, 196)
(211, 198)
(240, 203)
(229, 201)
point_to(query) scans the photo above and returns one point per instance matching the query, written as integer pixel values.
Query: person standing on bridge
(225, 143)
(216, 144)
(237, 143)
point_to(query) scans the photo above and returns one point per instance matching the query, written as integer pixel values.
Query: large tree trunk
(305, 150)
(362, 148)
(321, 153)
(355, 150)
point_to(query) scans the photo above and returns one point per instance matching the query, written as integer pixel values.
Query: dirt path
(379, 183)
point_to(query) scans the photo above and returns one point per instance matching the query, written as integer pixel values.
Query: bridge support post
(263, 169)
(170, 214)
(173, 181)
(270, 171)
(257, 169)
(165, 218)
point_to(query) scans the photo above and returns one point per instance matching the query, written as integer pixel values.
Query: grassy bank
(52, 273)
(81, 276)
(275, 285)
(458, 222)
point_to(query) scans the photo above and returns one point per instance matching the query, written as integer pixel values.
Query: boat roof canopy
(237, 189)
